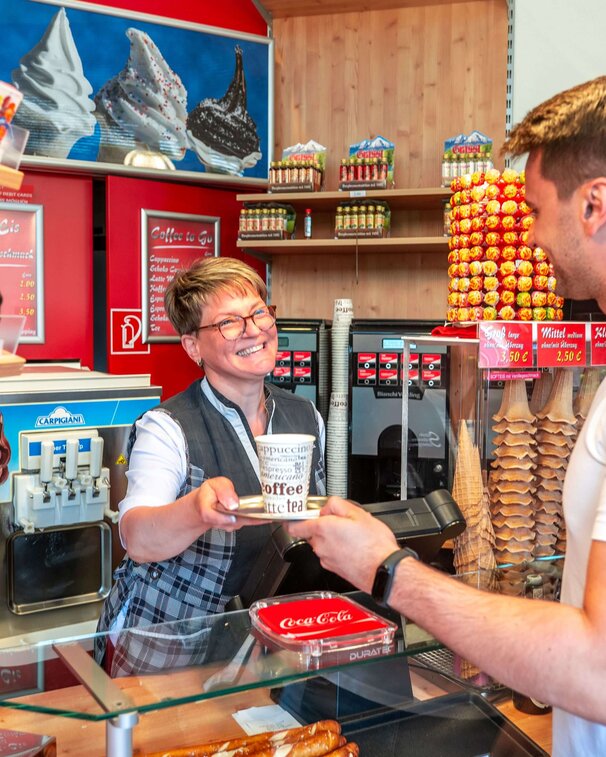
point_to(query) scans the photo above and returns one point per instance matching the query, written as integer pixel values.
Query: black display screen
(57, 564)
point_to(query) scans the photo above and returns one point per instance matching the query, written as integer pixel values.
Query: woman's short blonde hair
(188, 293)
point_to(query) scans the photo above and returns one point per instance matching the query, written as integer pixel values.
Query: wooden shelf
(333, 246)
(402, 199)
(290, 8)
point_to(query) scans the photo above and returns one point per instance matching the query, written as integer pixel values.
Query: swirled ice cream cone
(144, 107)
(57, 108)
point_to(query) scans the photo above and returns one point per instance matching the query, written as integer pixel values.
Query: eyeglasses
(234, 326)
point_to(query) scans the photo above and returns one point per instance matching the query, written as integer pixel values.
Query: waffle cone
(558, 407)
(514, 404)
(514, 427)
(590, 382)
(540, 391)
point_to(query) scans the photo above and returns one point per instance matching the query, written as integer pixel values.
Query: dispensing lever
(71, 459)
(47, 452)
(96, 456)
(71, 464)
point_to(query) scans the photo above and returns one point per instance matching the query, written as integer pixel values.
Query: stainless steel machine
(64, 432)
(377, 380)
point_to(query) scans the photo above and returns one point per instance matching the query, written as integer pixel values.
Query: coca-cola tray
(322, 624)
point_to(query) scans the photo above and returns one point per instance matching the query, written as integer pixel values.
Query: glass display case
(517, 397)
(215, 666)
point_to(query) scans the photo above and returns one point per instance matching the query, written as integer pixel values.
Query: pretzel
(252, 744)
(350, 749)
(315, 746)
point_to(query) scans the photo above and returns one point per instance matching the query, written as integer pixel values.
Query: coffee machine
(63, 445)
(377, 380)
(302, 359)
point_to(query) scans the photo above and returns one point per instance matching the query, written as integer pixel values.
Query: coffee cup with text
(285, 469)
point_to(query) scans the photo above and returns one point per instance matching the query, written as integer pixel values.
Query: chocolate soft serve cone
(221, 131)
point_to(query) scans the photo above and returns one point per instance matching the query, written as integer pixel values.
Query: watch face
(381, 583)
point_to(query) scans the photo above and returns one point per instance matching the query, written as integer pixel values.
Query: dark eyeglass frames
(234, 326)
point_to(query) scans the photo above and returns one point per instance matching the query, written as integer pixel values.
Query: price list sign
(505, 345)
(170, 243)
(22, 266)
(562, 345)
(598, 344)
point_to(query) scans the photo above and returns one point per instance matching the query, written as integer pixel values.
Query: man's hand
(348, 540)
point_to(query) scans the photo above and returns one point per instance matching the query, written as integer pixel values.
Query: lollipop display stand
(12, 138)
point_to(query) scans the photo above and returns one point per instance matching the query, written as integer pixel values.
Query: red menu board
(21, 266)
(170, 242)
(505, 344)
(598, 344)
(562, 345)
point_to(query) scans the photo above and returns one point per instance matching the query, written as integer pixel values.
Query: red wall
(68, 279)
(167, 363)
(238, 15)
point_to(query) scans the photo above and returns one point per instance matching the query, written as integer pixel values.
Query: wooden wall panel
(412, 285)
(416, 75)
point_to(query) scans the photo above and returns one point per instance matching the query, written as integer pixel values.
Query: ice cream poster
(112, 87)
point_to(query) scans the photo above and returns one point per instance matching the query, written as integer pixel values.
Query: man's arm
(552, 652)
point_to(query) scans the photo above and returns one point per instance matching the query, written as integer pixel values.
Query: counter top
(194, 723)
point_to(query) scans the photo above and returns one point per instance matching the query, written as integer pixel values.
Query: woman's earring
(200, 363)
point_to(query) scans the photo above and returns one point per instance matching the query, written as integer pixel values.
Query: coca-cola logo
(329, 618)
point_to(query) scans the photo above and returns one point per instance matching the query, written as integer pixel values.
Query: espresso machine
(302, 360)
(63, 444)
(377, 379)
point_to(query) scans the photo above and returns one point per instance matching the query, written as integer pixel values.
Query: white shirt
(585, 515)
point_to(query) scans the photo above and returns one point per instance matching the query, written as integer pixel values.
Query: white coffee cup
(285, 470)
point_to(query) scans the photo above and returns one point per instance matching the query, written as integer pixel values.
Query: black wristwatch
(384, 576)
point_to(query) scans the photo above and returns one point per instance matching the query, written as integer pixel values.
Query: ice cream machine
(63, 444)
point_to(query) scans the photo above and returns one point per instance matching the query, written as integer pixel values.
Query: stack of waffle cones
(512, 485)
(473, 555)
(556, 435)
(590, 381)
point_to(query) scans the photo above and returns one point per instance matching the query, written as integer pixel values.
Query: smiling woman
(192, 457)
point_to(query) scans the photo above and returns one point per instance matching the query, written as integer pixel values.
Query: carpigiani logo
(59, 417)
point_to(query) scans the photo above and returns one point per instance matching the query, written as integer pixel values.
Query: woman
(192, 456)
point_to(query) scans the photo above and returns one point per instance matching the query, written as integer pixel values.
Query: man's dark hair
(570, 131)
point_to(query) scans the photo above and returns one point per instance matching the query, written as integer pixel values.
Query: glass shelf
(218, 655)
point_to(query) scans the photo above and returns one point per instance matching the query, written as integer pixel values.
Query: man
(555, 653)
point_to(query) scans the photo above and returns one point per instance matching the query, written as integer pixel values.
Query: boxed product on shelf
(301, 169)
(267, 220)
(369, 165)
(465, 154)
(362, 219)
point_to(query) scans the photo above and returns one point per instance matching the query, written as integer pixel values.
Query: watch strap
(384, 575)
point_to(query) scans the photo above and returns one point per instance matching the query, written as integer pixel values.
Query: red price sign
(598, 344)
(170, 243)
(561, 346)
(505, 345)
(21, 266)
